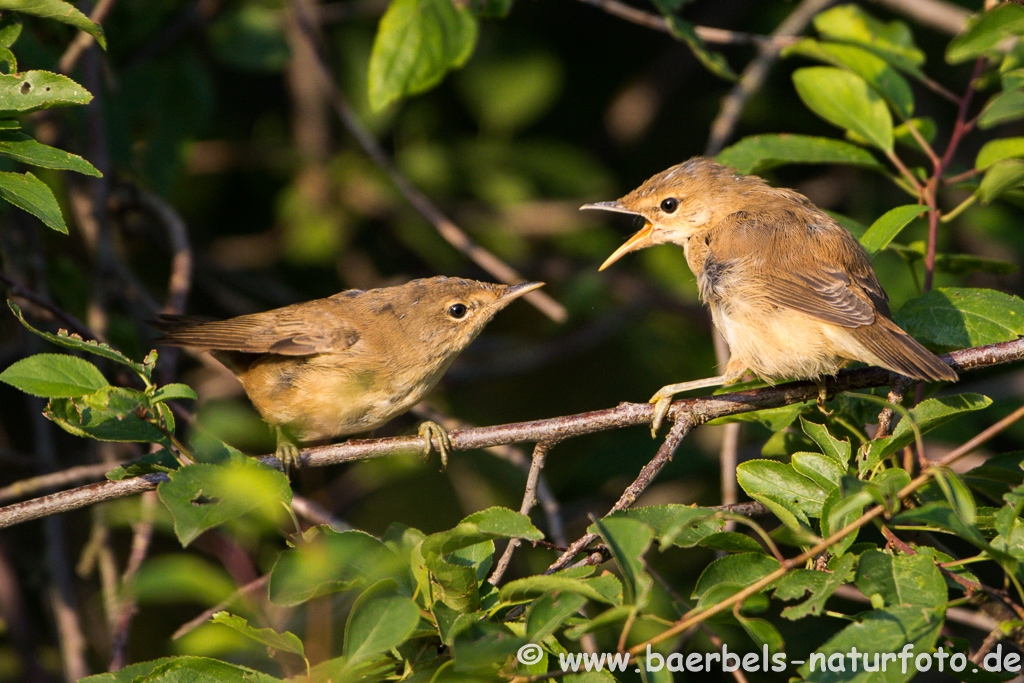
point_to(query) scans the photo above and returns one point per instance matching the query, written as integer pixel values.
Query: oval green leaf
(54, 375)
(846, 100)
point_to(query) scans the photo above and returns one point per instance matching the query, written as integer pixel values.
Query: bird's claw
(287, 452)
(822, 398)
(661, 407)
(431, 430)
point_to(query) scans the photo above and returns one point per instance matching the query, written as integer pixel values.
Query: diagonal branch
(452, 233)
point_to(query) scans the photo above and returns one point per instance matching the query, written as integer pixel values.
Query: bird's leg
(822, 395)
(663, 399)
(287, 451)
(431, 430)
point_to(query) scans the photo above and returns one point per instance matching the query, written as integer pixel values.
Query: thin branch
(664, 455)
(451, 232)
(83, 40)
(754, 75)
(540, 452)
(691, 410)
(657, 22)
(936, 14)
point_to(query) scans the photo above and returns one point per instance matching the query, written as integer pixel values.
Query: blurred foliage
(218, 141)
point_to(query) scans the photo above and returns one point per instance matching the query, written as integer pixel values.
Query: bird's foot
(663, 399)
(823, 397)
(431, 430)
(662, 403)
(287, 451)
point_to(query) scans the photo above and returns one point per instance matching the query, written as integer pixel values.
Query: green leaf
(486, 525)
(329, 562)
(30, 194)
(998, 150)
(925, 128)
(30, 91)
(25, 149)
(605, 588)
(997, 475)
(839, 510)
(956, 264)
(901, 580)
(458, 578)
(872, 68)
(823, 591)
(884, 631)
(170, 392)
(1000, 177)
(10, 30)
(54, 375)
(885, 229)
(823, 470)
(680, 525)
(928, 415)
(957, 495)
(417, 43)
(892, 41)
(628, 540)
(985, 32)
(550, 612)
(781, 482)
(109, 414)
(731, 542)
(1002, 108)
(281, 642)
(739, 570)
(759, 153)
(684, 31)
(73, 341)
(830, 446)
(181, 669)
(58, 10)
(201, 496)
(958, 318)
(160, 461)
(845, 100)
(381, 619)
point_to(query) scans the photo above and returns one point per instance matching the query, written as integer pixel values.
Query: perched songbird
(791, 290)
(351, 362)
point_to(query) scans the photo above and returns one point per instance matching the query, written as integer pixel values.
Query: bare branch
(692, 410)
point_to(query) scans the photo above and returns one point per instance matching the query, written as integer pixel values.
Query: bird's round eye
(669, 205)
(457, 311)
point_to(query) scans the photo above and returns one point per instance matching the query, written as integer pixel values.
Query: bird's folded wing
(824, 294)
(283, 333)
(842, 291)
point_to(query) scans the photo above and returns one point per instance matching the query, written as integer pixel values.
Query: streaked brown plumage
(791, 290)
(351, 362)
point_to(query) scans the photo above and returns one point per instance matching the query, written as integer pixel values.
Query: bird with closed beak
(791, 290)
(350, 362)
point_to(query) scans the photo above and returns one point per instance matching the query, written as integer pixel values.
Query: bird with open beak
(791, 290)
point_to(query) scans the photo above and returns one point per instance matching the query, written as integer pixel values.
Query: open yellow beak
(638, 241)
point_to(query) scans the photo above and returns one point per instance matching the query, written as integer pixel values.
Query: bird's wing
(830, 279)
(291, 331)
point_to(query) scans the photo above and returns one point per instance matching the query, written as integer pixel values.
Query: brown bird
(350, 362)
(791, 290)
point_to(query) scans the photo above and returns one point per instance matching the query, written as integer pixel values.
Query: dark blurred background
(213, 110)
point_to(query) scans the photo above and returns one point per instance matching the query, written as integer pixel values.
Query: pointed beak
(516, 291)
(615, 206)
(640, 240)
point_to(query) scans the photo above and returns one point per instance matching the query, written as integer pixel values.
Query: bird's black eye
(457, 311)
(669, 205)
